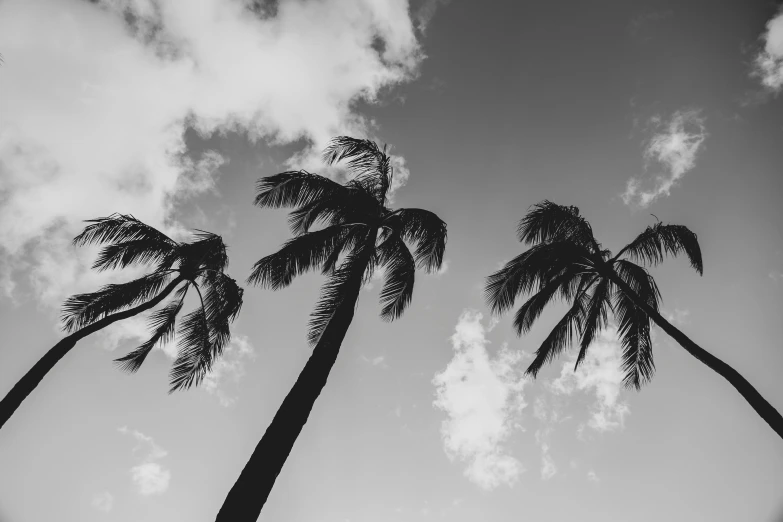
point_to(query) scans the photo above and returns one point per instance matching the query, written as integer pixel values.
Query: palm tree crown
(176, 267)
(359, 232)
(566, 261)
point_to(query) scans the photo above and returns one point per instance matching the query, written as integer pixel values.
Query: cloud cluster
(103, 501)
(481, 394)
(96, 97)
(149, 476)
(768, 64)
(671, 152)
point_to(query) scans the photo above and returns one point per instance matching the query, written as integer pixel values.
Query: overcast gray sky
(621, 108)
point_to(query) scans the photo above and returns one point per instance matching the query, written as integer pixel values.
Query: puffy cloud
(97, 96)
(768, 65)
(480, 394)
(426, 12)
(672, 150)
(600, 374)
(103, 501)
(149, 476)
(231, 366)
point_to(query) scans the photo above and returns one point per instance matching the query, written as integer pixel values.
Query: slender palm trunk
(754, 398)
(251, 490)
(33, 377)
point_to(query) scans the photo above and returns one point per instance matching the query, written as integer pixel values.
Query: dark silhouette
(360, 235)
(178, 267)
(566, 261)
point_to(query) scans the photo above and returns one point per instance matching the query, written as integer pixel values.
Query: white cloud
(672, 151)
(768, 65)
(679, 316)
(443, 268)
(592, 477)
(149, 476)
(231, 366)
(480, 394)
(103, 501)
(93, 111)
(600, 374)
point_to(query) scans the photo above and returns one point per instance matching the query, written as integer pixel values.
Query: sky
(172, 110)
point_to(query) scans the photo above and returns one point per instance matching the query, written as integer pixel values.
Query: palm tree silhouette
(360, 234)
(566, 261)
(202, 334)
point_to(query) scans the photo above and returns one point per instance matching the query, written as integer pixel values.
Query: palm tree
(566, 261)
(360, 234)
(178, 267)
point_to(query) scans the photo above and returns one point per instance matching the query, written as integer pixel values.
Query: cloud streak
(481, 394)
(97, 97)
(671, 152)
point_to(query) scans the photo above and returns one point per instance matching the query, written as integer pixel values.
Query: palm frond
(658, 240)
(634, 331)
(532, 270)
(596, 317)
(371, 165)
(346, 208)
(206, 251)
(162, 324)
(334, 292)
(83, 309)
(560, 337)
(531, 309)
(120, 227)
(294, 189)
(427, 232)
(397, 290)
(298, 255)
(127, 253)
(640, 281)
(222, 303)
(549, 222)
(194, 357)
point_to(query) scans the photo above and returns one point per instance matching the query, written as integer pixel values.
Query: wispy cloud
(768, 64)
(230, 367)
(149, 476)
(481, 394)
(426, 12)
(548, 467)
(97, 97)
(593, 477)
(443, 268)
(669, 154)
(103, 501)
(599, 374)
(679, 316)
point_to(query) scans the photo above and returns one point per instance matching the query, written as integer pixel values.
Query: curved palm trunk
(251, 490)
(33, 377)
(754, 398)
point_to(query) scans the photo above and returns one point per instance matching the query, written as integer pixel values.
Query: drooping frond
(549, 222)
(298, 255)
(634, 331)
(351, 206)
(194, 357)
(334, 292)
(371, 165)
(162, 325)
(222, 303)
(120, 227)
(658, 240)
(399, 277)
(532, 270)
(294, 189)
(640, 281)
(83, 309)
(427, 232)
(596, 317)
(560, 337)
(354, 236)
(534, 306)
